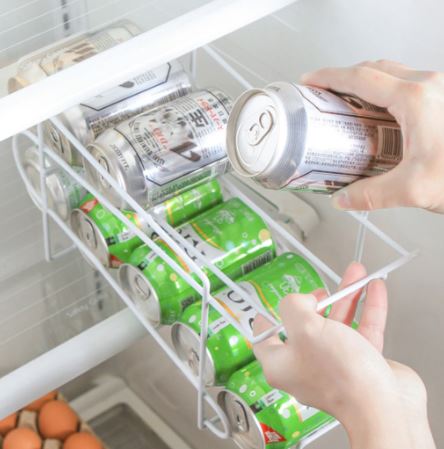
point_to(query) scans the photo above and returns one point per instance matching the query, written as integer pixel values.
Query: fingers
(391, 67)
(320, 294)
(299, 315)
(263, 349)
(344, 310)
(376, 192)
(370, 84)
(374, 314)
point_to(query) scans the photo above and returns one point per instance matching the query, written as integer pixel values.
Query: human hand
(326, 364)
(416, 100)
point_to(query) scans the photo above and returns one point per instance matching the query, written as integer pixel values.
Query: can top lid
(187, 345)
(245, 427)
(90, 234)
(121, 162)
(141, 292)
(57, 196)
(253, 132)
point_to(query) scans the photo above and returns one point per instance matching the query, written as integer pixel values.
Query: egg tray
(29, 419)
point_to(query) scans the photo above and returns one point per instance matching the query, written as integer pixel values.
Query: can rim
(123, 275)
(176, 329)
(102, 150)
(101, 250)
(232, 131)
(57, 196)
(252, 419)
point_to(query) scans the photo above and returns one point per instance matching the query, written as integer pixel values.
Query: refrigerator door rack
(218, 423)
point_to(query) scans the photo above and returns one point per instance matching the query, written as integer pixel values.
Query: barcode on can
(389, 143)
(257, 262)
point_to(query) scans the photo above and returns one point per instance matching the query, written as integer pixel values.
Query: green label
(231, 235)
(283, 421)
(266, 286)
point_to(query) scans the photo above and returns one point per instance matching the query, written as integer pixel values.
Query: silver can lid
(186, 343)
(253, 132)
(266, 134)
(115, 155)
(88, 232)
(31, 165)
(141, 292)
(57, 196)
(245, 427)
(60, 144)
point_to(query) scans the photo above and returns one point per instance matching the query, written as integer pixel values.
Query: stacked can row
(237, 241)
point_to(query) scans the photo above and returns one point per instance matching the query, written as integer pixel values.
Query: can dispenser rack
(218, 423)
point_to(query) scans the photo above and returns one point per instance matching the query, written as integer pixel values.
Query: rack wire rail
(218, 423)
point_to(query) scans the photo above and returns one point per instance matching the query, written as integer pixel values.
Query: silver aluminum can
(68, 52)
(63, 192)
(90, 118)
(164, 151)
(287, 136)
(85, 120)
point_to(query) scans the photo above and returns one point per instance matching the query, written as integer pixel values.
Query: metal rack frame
(218, 424)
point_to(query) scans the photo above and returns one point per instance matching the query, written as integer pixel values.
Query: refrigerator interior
(44, 304)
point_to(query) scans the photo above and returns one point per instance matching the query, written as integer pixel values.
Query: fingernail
(341, 200)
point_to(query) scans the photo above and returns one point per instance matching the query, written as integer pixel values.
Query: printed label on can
(202, 243)
(343, 104)
(243, 312)
(179, 138)
(61, 58)
(347, 138)
(144, 92)
(270, 398)
(134, 86)
(271, 435)
(257, 262)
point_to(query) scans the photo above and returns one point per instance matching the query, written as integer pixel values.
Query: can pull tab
(240, 416)
(260, 127)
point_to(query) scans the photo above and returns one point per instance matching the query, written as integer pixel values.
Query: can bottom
(141, 293)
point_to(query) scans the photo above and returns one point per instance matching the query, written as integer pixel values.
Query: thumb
(376, 192)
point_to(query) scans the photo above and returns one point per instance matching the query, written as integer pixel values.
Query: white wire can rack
(218, 422)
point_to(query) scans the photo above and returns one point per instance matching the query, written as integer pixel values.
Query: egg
(82, 440)
(57, 420)
(8, 423)
(22, 438)
(37, 404)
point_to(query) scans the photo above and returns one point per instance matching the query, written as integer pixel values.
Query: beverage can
(227, 348)
(288, 136)
(162, 152)
(111, 240)
(262, 417)
(231, 236)
(63, 192)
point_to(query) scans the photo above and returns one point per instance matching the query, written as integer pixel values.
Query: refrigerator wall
(304, 36)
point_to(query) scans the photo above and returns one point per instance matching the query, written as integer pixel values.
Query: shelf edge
(67, 361)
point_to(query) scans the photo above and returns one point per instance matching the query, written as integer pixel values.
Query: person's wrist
(377, 421)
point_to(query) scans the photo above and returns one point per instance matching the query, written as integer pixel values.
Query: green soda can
(111, 240)
(262, 417)
(231, 235)
(227, 349)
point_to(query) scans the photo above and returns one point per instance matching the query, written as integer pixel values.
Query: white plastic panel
(200, 23)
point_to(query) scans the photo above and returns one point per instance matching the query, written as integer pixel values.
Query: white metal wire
(182, 247)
